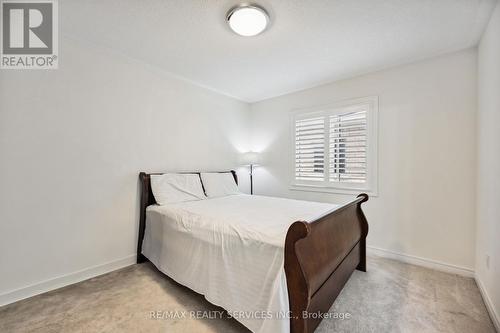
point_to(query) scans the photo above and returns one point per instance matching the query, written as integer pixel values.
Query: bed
(246, 254)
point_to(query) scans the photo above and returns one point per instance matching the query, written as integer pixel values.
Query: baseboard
(414, 260)
(495, 317)
(65, 280)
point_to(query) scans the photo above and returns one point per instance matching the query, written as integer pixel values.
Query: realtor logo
(29, 34)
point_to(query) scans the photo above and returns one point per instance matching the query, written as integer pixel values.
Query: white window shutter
(348, 146)
(334, 147)
(310, 149)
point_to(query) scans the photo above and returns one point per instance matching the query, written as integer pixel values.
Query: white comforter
(231, 250)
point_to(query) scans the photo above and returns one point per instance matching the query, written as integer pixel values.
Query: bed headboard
(147, 198)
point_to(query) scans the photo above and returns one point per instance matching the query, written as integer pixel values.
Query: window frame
(371, 185)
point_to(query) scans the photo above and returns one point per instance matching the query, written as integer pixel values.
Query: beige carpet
(390, 297)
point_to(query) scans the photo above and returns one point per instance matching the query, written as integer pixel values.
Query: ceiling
(309, 42)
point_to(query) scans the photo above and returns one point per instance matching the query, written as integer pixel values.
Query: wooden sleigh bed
(320, 256)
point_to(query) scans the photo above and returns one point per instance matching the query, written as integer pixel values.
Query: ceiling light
(247, 20)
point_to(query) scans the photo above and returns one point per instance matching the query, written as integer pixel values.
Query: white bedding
(231, 250)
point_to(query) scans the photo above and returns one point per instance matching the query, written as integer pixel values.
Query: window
(335, 147)
(310, 149)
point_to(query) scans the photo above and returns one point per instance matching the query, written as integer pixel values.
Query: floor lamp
(250, 159)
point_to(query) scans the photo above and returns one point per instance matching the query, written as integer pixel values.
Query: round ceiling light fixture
(248, 20)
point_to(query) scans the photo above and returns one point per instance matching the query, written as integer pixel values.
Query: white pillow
(175, 187)
(218, 184)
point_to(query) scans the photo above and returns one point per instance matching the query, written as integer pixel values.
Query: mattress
(231, 250)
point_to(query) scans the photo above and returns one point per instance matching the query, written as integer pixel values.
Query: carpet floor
(390, 297)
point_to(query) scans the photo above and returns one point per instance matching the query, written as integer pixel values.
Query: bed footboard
(320, 256)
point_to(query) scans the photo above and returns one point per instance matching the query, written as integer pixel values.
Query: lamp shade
(250, 158)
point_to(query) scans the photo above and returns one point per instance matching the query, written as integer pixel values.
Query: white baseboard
(61, 281)
(414, 260)
(495, 317)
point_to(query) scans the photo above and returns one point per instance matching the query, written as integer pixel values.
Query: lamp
(247, 20)
(251, 159)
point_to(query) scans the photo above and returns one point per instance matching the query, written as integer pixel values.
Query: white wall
(427, 149)
(72, 142)
(488, 185)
